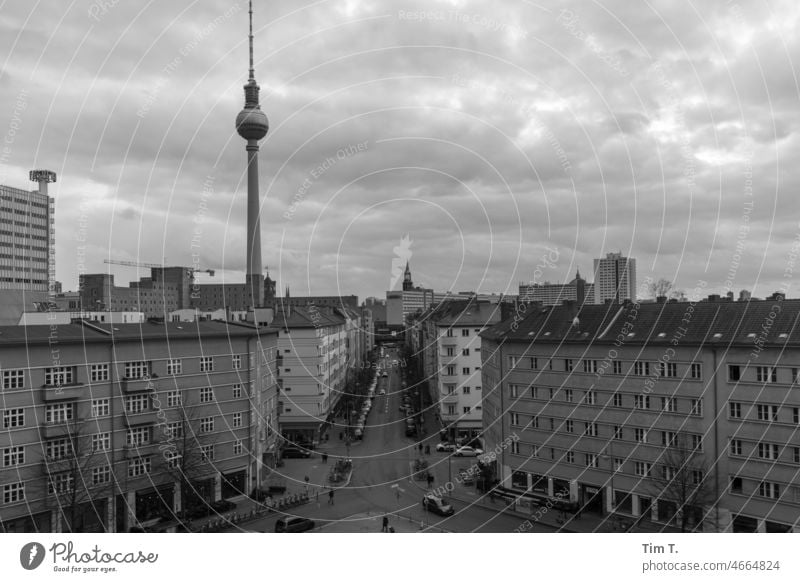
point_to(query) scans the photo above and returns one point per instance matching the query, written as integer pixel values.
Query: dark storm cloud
(486, 132)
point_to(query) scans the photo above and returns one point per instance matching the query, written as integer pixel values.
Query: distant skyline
(476, 139)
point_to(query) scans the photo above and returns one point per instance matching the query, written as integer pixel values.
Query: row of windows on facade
(101, 407)
(616, 432)
(451, 389)
(451, 351)
(465, 371)
(451, 409)
(638, 368)
(617, 400)
(464, 332)
(66, 375)
(61, 483)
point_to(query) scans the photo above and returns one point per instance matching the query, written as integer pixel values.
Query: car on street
(385, 375)
(295, 453)
(446, 447)
(293, 524)
(436, 504)
(382, 393)
(466, 476)
(468, 452)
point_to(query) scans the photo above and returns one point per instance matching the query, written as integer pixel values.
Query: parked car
(382, 393)
(436, 504)
(446, 447)
(295, 453)
(293, 524)
(411, 431)
(468, 452)
(385, 375)
(222, 506)
(466, 476)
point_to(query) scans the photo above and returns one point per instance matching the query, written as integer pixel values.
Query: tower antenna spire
(252, 69)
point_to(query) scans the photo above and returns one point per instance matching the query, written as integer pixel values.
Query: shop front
(234, 484)
(591, 498)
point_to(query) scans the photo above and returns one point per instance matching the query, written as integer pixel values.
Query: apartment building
(672, 414)
(556, 293)
(614, 279)
(108, 427)
(319, 349)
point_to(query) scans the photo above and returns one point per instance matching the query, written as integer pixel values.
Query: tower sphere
(252, 123)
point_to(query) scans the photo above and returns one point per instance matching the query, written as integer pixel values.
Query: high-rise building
(27, 247)
(614, 279)
(555, 293)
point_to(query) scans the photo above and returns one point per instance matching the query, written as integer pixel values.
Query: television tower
(252, 125)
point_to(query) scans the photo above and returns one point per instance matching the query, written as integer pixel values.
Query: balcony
(132, 385)
(143, 450)
(60, 465)
(449, 398)
(140, 418)
(60, 428)
(63, 392)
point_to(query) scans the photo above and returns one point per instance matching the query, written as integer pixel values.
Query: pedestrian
(385, 527)
(324, 457)
(330, 497)
(420, 448)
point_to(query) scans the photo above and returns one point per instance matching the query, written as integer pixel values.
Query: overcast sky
(484, 132)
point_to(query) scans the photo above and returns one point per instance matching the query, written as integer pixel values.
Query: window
(60, 483)
(641, 368)
(796, 454)
(207, 424)
(736, 447)
(766, 374)
(734, 373)
(770, 490)
(466, 409)
(736, 484)
(58, 413)
(13, 379)
(207, 364)
(13, 418)
(618, 433)
(617, 400)
(534, 422)
(237, 448)
(237, 390)
(669, 404)
(451, 389)
(696, 407)
(174, 366)
(767, 451)
(515, 448)
(568, 395)
(589, 397)
(57, 449)
(135, 403)
(617, 367)
(138, 436)
(174, 399)
(101, 442)
(552, 423)
(514, 389)
(534, 392)
(696, 371)
(668, 438)
(137, 467)
(98, 372)
(641, 401)
(136, 370)
(100, 408)
(668, 473)
(766, 412)
(465, 371)
(590, 460)
(175, 430)
(58, 376)
(450, 371)
(206, 395)
(449, 333)
(667, 369)
(101, 475)
(465, 352)
(237, 419)
(796, 415)
(13, 456)
(590, 366)
(568, 365)
(570, 457)
(465, 332)
(515, 419)
(534, 363)
(735, 409)
(696, 441)
(640, 435)
(465, 389)
(451, 409)
(236, 362)
(590, 429)
(643, 469)
(208, 452)
(13, 492)
(569, 426)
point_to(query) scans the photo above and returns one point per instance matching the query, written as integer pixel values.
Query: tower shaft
(255, 281)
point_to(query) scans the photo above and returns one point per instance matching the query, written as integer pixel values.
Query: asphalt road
(382, 483)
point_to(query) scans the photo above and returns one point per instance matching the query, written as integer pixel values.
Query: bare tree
(70, 462)
(683, 484)
(659, 288)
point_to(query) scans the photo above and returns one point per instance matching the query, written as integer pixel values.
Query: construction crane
(154, 266)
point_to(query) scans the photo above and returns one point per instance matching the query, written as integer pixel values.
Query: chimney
(661, 299)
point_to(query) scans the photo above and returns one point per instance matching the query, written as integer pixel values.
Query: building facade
(675, 415)
(556, 293)
(113, 427)
(614, 279)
